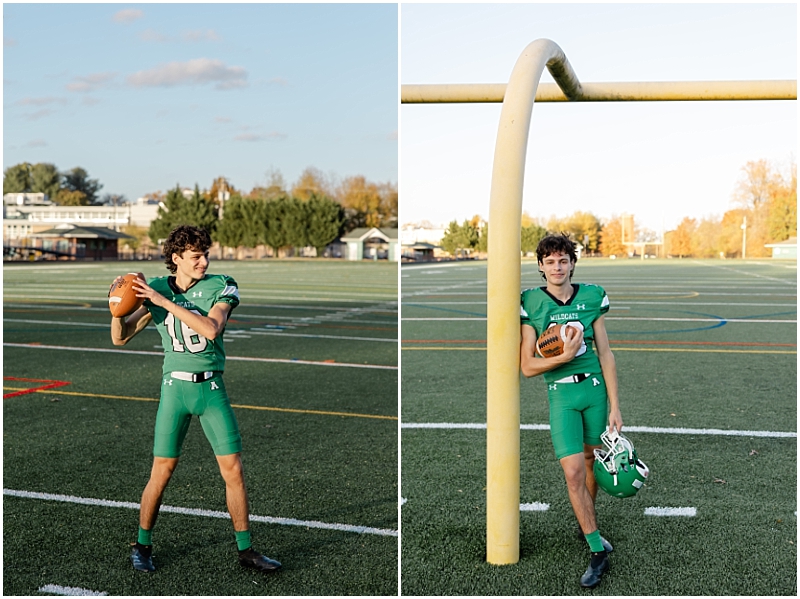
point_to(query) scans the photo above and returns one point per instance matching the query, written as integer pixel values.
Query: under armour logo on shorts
(551, 387)
(214, 385)
(167, 381)
(595, 382)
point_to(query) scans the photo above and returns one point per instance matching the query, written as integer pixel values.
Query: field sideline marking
(57, 589)
(633, 429)
(205, 513)
(233, 358)
(244, 407)
(660, 349)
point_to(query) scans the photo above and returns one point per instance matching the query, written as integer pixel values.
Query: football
(122, 299)
(551, 343)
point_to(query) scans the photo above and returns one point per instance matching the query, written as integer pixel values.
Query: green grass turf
(743, 539)
(88, 439)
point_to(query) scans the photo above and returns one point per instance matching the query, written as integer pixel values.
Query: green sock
(145, 536)
(243, 540)
(595, 544)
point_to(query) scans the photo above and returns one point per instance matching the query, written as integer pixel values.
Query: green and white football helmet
(617, 469)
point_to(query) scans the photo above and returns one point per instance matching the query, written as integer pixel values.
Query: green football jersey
(185, 349)
(589, 302)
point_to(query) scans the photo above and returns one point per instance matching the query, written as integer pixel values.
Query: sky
(148, 96)
(660, 161)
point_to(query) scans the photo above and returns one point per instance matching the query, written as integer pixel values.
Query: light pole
(744, 238)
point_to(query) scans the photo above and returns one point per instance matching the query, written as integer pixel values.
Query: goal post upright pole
(503, 288)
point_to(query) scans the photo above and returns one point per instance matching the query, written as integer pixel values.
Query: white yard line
(690, 512)
(203, 513)
(633, 429)
(57, 589)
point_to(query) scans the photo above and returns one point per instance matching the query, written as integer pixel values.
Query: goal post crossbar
(646, 91)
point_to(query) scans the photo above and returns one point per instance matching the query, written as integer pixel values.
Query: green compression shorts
(578, 414)
(180, 400)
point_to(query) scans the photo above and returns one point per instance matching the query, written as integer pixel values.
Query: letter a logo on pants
(214, 385)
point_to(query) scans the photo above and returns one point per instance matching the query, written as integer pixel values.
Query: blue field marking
(721, 323)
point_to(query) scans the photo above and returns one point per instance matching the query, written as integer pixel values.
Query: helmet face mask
(617, 469)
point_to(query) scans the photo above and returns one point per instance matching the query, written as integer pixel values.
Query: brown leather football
(122, 299)
(551, 342)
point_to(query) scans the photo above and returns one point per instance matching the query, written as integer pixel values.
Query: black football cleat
(142, 558)
(250, 558)
(597, 567)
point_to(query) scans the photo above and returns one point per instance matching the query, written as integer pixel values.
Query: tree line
(313, 211)
(764, 196)
(279, 222)
(68, 188)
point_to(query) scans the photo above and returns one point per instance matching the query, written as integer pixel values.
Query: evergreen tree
(177, 210)
(296, 223)
(17, 178)
(275, 235)
(325, 220)
(77, 179)
(45, 178)
(530, 237)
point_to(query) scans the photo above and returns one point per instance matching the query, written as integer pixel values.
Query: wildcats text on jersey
(565, 316)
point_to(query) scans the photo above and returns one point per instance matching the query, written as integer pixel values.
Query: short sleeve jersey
(185, 349)
(540, 310)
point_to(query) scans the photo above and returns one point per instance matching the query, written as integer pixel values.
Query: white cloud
(223, 119)
(199, 71)
(40, 101)
(200, 35)
(282, 81)
(35, 116)
(90, 82)
(128, 15)
(8, 42)
(260, 136)
(36, 143)
(393, 135)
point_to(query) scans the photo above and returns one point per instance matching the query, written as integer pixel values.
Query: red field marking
(52, 385)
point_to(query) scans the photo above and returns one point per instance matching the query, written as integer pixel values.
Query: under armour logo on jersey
(214, 385)
(581, 306)
(595, 382)
(551, 387)
(167, 381)
(197, 294)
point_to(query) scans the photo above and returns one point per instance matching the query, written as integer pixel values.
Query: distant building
(67, 242)
(411, 234)
(372, 244)
(26, 199)
(143, 212)
(786, 250)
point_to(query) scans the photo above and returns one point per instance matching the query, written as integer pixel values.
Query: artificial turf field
(707, 360)
(312, 375)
